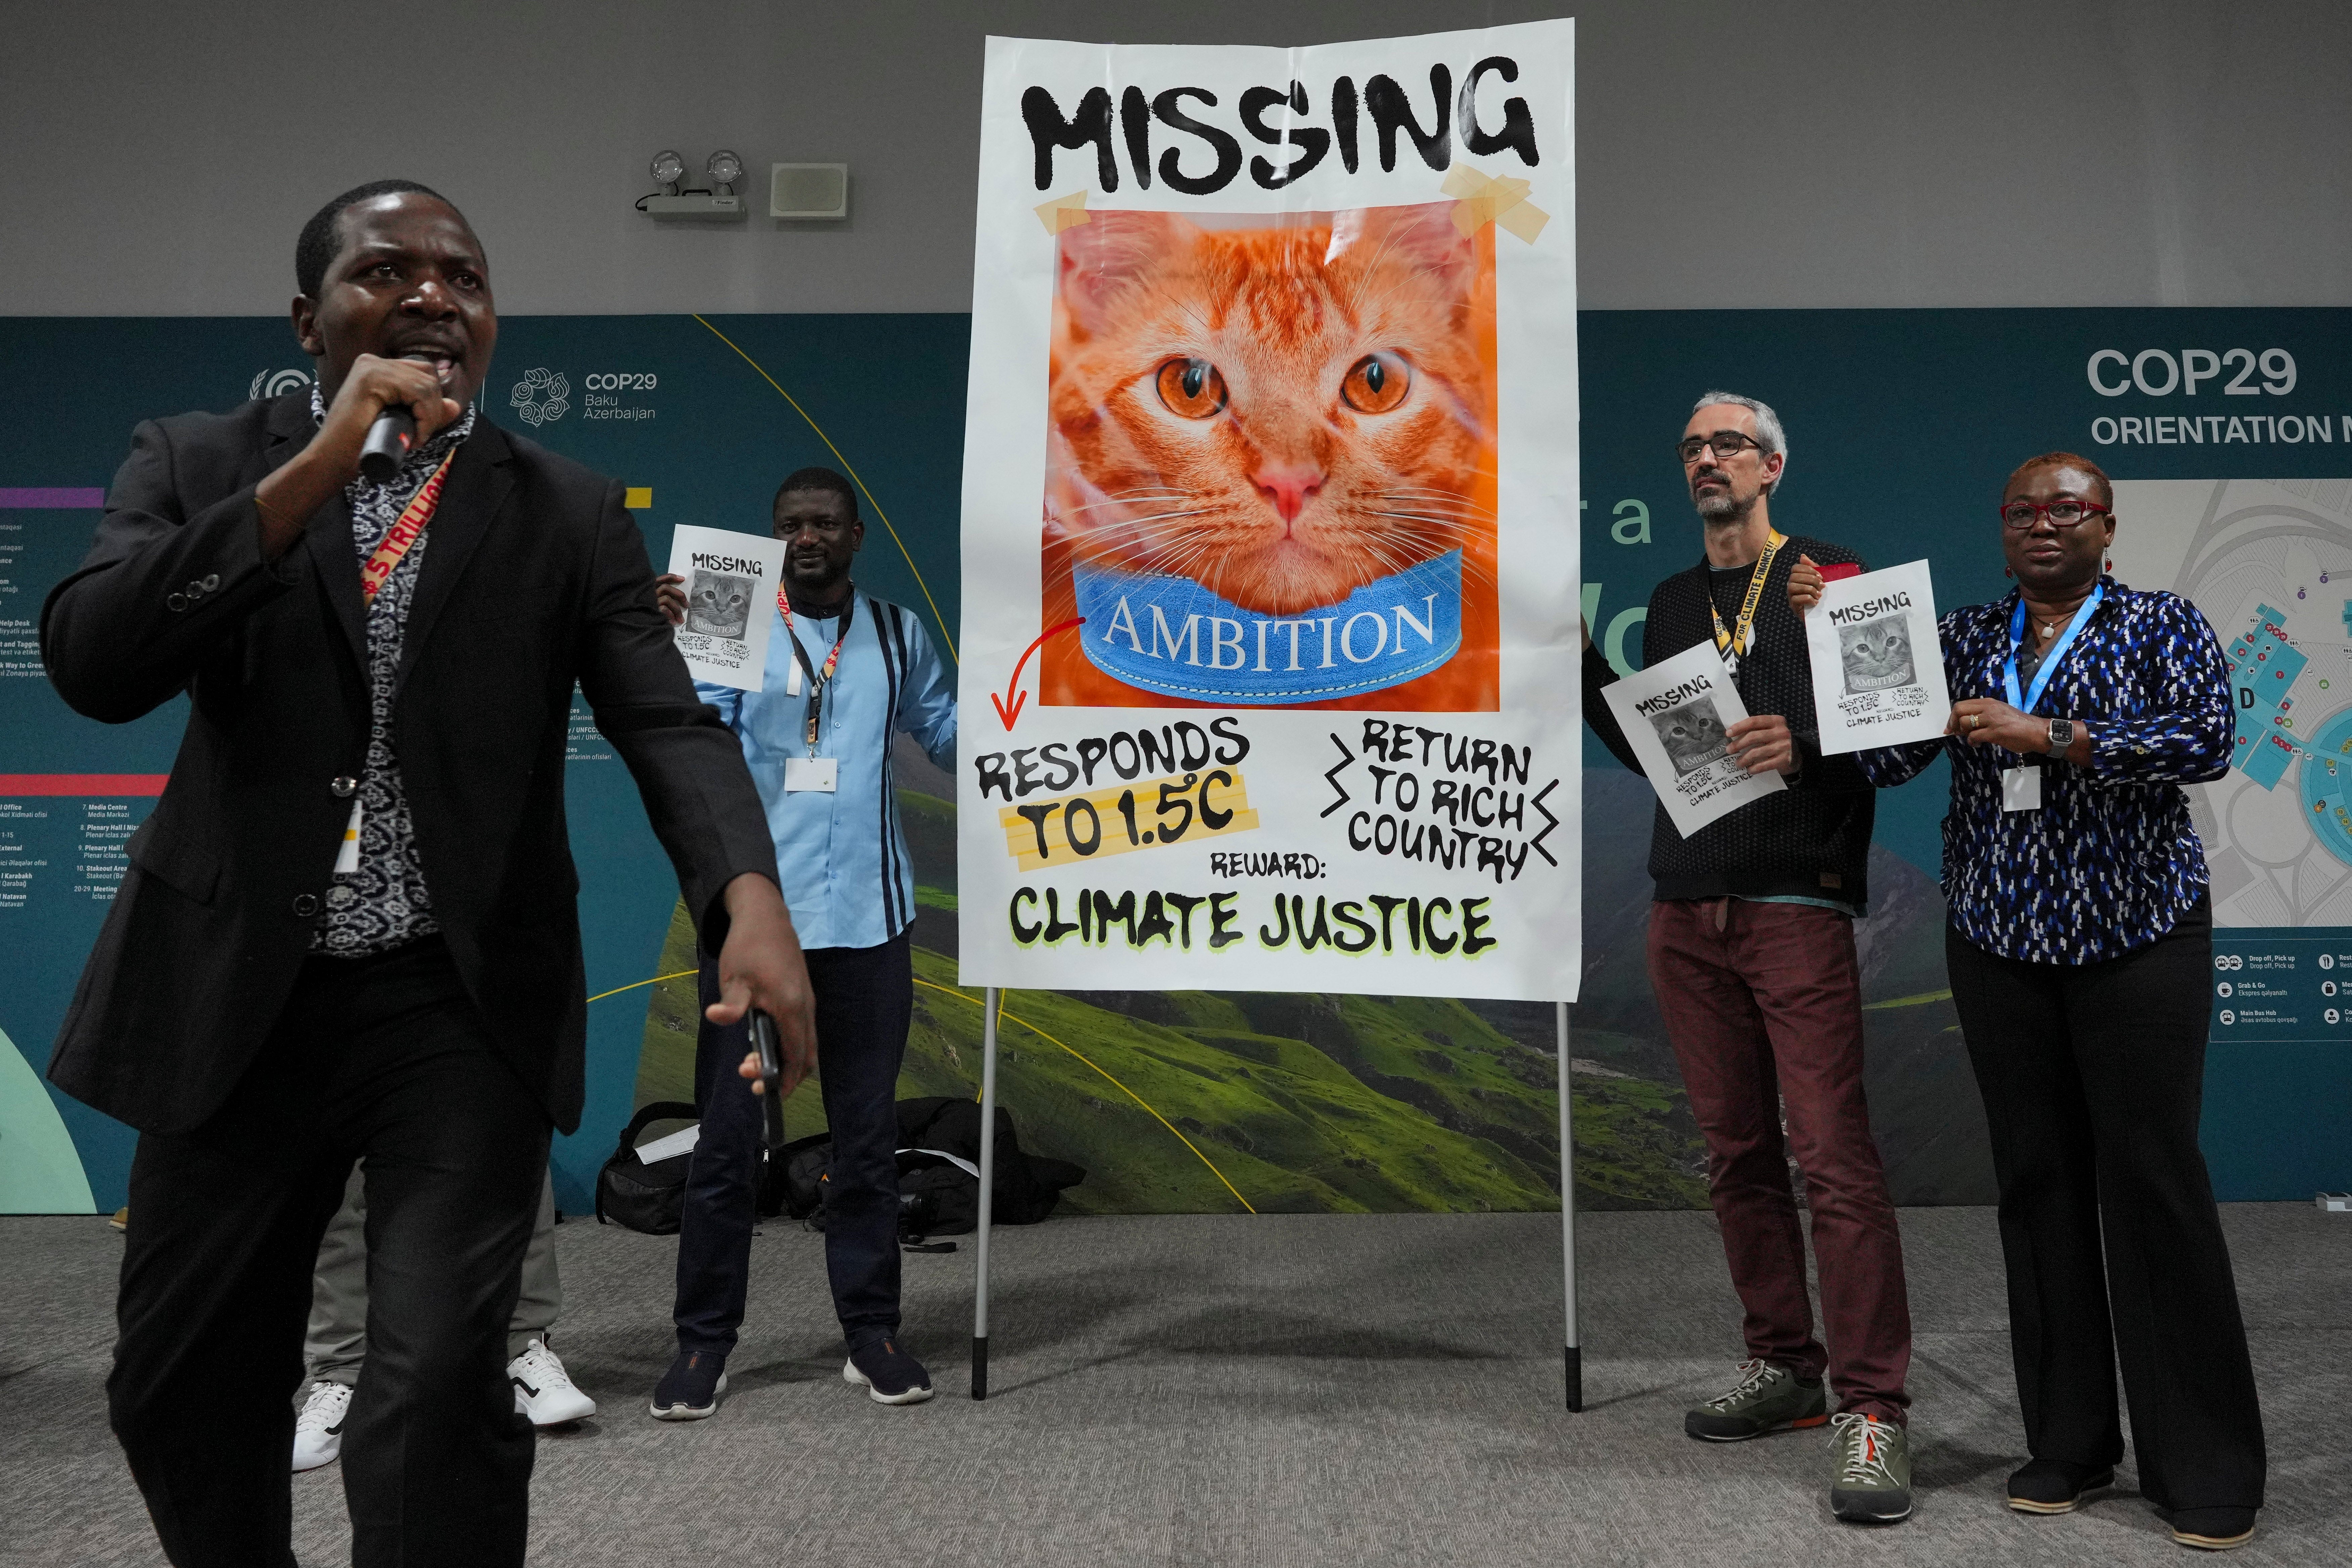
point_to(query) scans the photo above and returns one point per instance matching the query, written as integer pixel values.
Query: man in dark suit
(349, 931)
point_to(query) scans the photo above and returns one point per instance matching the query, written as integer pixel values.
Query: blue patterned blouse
(2110, 862)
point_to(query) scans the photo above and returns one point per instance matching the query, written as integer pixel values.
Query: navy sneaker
(2213, 1529)
(689, 1390)
(888, 1374)
(2056, 1486)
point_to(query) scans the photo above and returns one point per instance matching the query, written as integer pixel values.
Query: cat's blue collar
(1171, 636)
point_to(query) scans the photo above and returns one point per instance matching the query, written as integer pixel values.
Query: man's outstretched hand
(761, 966)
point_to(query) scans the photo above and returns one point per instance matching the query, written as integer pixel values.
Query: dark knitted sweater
(1812, 840)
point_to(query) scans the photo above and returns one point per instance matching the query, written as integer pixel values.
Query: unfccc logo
(277, 383)
(541, 396)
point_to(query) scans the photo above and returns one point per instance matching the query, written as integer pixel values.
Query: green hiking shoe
(1767, 1398)
(1870, 1482)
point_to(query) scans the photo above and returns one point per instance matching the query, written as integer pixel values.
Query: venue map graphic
(2270, 563)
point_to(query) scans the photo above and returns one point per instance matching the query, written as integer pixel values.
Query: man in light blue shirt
(844, 672)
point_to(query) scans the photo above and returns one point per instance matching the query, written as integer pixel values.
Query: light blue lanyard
(2049, 660)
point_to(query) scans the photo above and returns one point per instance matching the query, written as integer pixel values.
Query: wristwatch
(2061, 735)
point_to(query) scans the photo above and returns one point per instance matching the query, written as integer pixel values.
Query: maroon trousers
(1763, 1006)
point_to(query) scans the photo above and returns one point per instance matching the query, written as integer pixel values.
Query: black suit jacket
(533, 578)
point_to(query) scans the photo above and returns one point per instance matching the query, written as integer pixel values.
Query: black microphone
(388, 441)
(392, 436)
(771, 1078)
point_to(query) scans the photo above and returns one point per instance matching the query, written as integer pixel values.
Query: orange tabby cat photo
(1271, 462)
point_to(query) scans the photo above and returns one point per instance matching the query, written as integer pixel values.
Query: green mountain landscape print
(1195, 1102)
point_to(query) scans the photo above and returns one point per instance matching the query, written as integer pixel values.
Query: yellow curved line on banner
(1130, 1094)
(945, 636)
(633, 985)
(1921, 1000)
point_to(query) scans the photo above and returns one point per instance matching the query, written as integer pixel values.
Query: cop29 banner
(1270, 520)
(2235, 490)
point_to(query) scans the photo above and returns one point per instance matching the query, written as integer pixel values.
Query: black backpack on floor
(938, 1172)
(640, 1196)
(648, 1198)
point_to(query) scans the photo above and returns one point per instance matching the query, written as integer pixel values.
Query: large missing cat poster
(1878, 665)
(1273, 410)
(1675, 715)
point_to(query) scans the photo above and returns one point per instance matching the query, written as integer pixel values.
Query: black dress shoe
(2054, 1485)
(2213, 1529)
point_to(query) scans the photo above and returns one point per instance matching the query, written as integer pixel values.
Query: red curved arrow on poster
(1008, 707)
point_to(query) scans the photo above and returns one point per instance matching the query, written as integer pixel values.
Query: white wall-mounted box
(808, 190)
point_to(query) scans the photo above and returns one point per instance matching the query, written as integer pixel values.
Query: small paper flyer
(730, 580)
(1674, 714)
(1878, 668)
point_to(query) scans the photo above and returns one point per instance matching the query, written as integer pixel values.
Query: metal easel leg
(1572, 1356)
(987, 1193)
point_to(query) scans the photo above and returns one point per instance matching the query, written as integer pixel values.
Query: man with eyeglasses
(1752, 958)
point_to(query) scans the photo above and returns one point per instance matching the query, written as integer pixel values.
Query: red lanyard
(404, 534)
(832, 660)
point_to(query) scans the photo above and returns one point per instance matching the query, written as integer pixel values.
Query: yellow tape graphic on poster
(1482, 198)
(1148, 813)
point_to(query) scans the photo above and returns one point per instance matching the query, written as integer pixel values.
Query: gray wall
(159, 158)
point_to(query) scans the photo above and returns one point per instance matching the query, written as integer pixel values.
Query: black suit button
(306, 904)
(342, 788)
(211, 581)
(176, 601)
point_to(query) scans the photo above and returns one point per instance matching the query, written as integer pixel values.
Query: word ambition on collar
(1171, 636)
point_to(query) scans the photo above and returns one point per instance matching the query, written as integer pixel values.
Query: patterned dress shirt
(385, 903)
(2110, 863)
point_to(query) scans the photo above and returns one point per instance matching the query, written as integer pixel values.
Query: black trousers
(2093, 1078)
(383, 1060)
(865, 1001)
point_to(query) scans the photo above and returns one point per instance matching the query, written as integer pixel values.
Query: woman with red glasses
(2080, 950)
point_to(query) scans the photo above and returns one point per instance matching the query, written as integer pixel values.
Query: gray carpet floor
(1292, 1392)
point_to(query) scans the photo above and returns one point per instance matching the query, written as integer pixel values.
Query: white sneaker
(318, 1430)
(543, 1389)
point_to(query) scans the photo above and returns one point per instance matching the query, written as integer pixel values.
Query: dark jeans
(1763, 1006)
(865, 1001)
(383, 1060)
(2093, 1078)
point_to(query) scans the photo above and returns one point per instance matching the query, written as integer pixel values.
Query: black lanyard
(816, 683)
